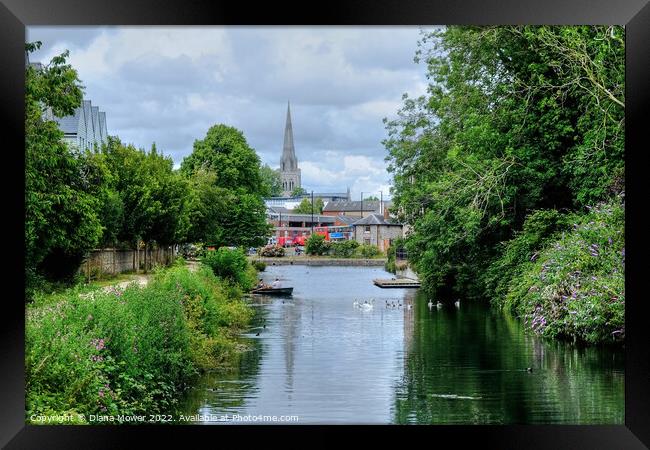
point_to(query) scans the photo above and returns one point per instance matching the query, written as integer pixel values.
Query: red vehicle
(285, 241)
(299, 240)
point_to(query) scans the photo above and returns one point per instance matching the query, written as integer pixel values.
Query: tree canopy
(516, 119)
(305, 206)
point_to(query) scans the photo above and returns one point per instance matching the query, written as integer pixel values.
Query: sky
(168, 85)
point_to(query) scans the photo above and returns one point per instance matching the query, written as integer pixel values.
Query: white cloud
(170, 84)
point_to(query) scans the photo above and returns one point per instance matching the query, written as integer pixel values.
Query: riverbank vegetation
(318, 246)
(119, 195)
(131, 351)
(510, 171)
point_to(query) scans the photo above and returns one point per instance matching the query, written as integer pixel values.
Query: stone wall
(112, 262)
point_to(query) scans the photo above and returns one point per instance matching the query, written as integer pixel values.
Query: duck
(457, 303)
(409, 306)
(257, 334)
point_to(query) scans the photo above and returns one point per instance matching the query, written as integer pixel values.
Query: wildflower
(101, 393)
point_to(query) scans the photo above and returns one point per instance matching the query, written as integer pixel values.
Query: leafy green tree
(373, 198)
(227, 201)
(207, 205)
(224, 151)
(305, 206)
(271, 181)
(516, 119)
(155, 198)
(62, 212)
(316, 245)
(298, 192)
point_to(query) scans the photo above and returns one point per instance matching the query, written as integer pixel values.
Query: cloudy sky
(169, 85)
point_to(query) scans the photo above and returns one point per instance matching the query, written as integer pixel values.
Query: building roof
(348, 220)
(376, 219)
(352, 205)
(279, 209)
(307, 218)
(70, 124)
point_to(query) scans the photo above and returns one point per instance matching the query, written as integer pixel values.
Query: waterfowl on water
(529, 369)
(438, 305)
(430, 304)
(257, 334)
(457, 303)
(408, 306)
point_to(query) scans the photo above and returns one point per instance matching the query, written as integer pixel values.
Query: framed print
(388, 218)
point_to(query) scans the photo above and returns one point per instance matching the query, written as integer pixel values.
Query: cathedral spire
(288, 161)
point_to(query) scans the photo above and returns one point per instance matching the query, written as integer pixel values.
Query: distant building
(357, 208)
(375, 229)
(289, 225)
(84, 129)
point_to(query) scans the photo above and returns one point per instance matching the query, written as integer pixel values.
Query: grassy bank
(130, 351)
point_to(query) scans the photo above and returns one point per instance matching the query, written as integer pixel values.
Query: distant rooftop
(353, 205)
(376, 219)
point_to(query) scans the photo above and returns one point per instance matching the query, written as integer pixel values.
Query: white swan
(430, 304)
(457, 303)
(355, 303)
(438, 305)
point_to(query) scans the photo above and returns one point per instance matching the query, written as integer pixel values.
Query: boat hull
(273, 291)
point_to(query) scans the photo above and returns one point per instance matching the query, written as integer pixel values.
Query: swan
(409, 306)
(355, 303)
(457, 303)
(438, 305)
(430, 304)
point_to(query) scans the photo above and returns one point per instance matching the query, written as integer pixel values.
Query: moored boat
(273, 291)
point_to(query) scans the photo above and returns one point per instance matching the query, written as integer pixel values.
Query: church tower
(289, 171)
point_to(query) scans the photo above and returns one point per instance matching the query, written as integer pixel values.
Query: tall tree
(271, 181)
(515, 119)
(305, 206)
(224, 151)
(228, 170)
(61, 209)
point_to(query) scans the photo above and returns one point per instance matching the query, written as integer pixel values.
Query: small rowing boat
(273, 291)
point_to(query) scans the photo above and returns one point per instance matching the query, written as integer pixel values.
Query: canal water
(321, 360)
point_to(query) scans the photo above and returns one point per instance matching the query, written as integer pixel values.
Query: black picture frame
(15, 15)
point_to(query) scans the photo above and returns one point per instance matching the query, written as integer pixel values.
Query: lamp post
(312, 212)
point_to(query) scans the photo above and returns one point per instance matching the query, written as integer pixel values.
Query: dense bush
(575, 287)
(260, 266)
(345, 249)
(317, 245)
(272, 251)
(539, 228)
(131, 351)
(368, 251)
(232, 265)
